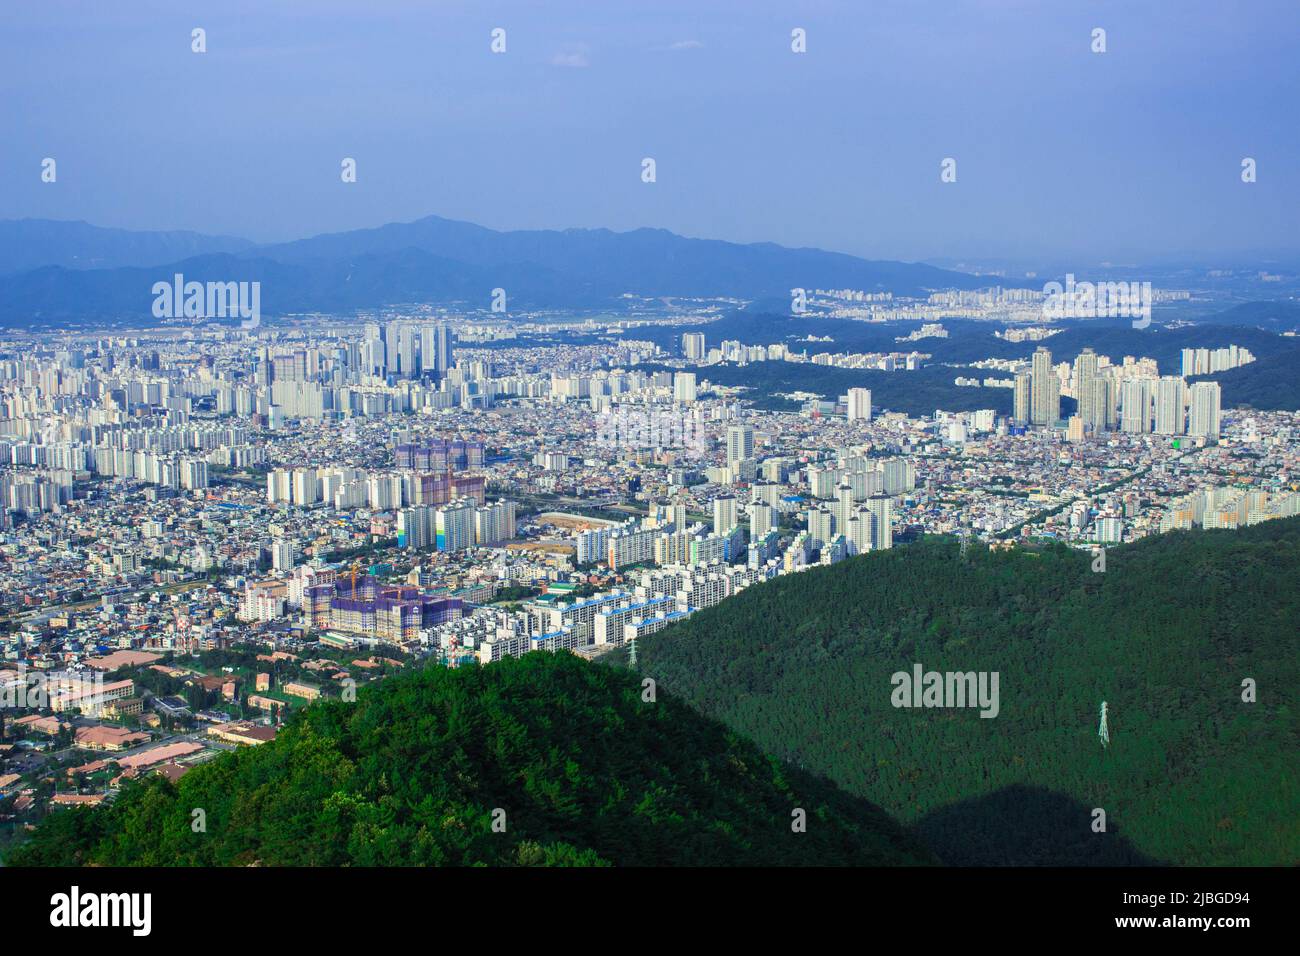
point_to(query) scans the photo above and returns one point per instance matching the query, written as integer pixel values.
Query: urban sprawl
(203, 528)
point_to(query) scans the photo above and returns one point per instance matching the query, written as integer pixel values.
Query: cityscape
(428, 543)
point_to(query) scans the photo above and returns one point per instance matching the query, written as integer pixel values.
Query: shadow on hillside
(1025, 826)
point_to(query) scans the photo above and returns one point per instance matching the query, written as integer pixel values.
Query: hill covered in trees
(1269, 384)
(1165, 635)
(566, 758)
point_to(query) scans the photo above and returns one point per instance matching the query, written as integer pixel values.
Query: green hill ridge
(1166, 635)
(585, 770)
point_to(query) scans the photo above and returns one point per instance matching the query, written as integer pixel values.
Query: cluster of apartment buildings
(1132, 397)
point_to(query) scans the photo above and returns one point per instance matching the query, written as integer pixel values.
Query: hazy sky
(1130, 155)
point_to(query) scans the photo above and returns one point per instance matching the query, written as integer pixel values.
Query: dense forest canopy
(546, 759)
(1166, 635)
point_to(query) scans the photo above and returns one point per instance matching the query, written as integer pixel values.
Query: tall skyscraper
(372, 357)
(1021, 397)
(1090, 392)
(1204, 410)
(1112, 402)
(392, 347)
(680, 514)
(882, 522)
(740, 443)
(693, 345)
(429, 349)
(1107, 403)
(684, 387)
(406, 350)
(724, 514)
(1135, 406)
(762, 519)
(843, 508)
(859, 405)
(1045, 402)
(454, 525)
(446, 349)
(283, 554)
(1169, 405)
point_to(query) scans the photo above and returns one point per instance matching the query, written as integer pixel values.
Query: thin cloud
(573, 58)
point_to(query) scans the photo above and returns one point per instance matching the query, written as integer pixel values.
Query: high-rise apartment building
(762, 519)
(406, 352)
(454, 525)
(1135, 406)
(882, 522)
(1045, 399)
(417, 527)
(1020, 409)
(724, 514)
(446, 341)
(1090, 392)
(859, 405)
(1204, 410)
(693, 345)
(1169, 405)
(740, 443)
(494, 523)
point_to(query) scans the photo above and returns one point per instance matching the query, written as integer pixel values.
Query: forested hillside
(582, 769)
(1166, 635)
(1271, 383)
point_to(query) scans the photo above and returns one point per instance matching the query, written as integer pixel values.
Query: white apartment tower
(1045, 399)
(859, 405)
(1021, 397)
(724, 514)
(1204, 414)
(1169, 405)
(740, 443)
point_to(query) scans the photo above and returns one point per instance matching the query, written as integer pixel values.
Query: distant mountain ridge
(1276, 316)
(27, 244)
(644, 261)
(44, 279)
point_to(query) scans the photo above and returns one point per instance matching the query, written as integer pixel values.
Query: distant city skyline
(1132, 155)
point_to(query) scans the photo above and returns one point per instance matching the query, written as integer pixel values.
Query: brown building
(299, 689)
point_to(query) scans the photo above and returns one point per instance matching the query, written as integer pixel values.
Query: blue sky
(1129, 156)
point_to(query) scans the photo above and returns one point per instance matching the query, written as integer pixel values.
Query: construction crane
(356, 566)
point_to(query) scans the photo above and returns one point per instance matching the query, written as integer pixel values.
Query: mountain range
(54, 272)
